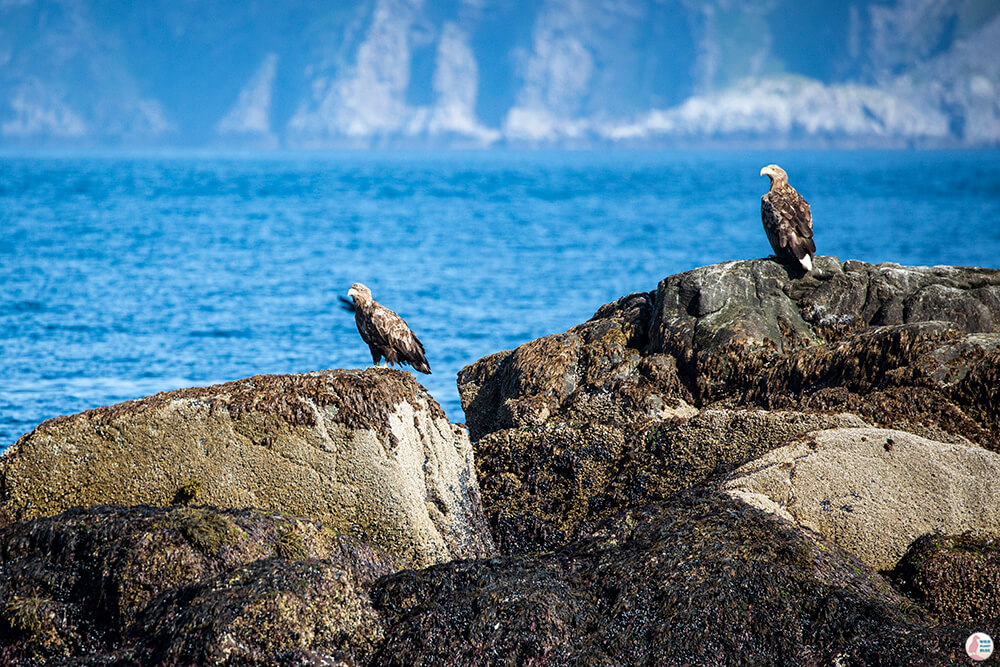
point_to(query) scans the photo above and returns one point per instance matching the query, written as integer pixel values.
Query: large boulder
(607, 409)
(700, 579)
(155, 586)
(370, 453)
(874, 491)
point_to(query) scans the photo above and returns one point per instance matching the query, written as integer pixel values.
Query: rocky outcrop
(955, 577)
(697, 474)
(550, 484)
(875, 491)
(155, 586)
(701, 579)
(370, 453)
(751, 333)
(604, 407)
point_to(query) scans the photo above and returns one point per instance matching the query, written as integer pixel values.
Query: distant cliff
(379, 73)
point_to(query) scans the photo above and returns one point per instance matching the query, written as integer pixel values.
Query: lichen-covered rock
(158, 586)
(749, 333)
(369, 452)
(546, 485)
(874, 491)
(910, 348)
(593, 372)
(700, 579)
(955, 577)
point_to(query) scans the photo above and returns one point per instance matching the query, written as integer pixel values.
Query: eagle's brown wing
(787, 220)
(398, 344)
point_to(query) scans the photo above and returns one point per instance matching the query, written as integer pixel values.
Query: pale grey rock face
(370, 453)
(759, 301)
(874, 491)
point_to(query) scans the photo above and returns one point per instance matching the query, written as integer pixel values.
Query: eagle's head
(359, 292)
(775, 173)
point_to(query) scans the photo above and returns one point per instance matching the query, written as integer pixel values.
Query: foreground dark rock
(609, 407)
(184, 586)
(955, 577)
(701, 579)
(368, 452)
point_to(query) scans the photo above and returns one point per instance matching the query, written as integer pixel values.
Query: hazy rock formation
(874, 491)
(370, 453)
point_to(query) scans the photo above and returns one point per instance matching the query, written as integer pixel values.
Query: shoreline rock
(656, 479)
(603, 407)
(369, 452)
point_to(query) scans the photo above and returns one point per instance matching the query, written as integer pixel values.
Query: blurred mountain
(475, 73)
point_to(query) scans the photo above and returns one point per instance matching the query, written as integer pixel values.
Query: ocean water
(124, 275)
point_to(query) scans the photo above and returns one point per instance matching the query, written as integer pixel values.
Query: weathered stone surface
(750, 334)
(593, 372)
(154, 586)
(910, 348)
(546, 485)
(369, 452)
(700, 579)
(874, 491)
(955, 577)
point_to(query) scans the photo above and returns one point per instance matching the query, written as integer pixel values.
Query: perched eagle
(385, 332)
(787, 219)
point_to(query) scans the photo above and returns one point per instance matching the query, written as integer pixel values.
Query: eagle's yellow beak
(763, 170)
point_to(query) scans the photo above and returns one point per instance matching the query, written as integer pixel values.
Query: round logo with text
(979, 646)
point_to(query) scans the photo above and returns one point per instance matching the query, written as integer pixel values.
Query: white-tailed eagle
(385, 332)
(787, 219)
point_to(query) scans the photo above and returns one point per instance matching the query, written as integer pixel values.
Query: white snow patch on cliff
(252, 112)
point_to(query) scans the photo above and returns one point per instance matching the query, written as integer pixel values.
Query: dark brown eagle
(385, 332)
(787, 219)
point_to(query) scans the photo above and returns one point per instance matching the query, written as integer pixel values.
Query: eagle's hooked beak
(763, 171)
(351, 293)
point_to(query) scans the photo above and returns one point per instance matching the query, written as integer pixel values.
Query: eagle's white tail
(807, 263)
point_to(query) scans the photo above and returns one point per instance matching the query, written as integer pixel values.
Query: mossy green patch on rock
(290, 545)
(187, 492)
(956, 577)
(25, 615)
(207, 530)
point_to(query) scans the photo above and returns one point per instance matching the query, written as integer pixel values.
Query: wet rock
(955, 577)
(695, 580)
(370, 453)
(874, 500)
(158, 586)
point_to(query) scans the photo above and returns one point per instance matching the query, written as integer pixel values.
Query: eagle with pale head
(787, 219)
(385, 332)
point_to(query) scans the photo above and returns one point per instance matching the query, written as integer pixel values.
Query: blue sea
(125, 275)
